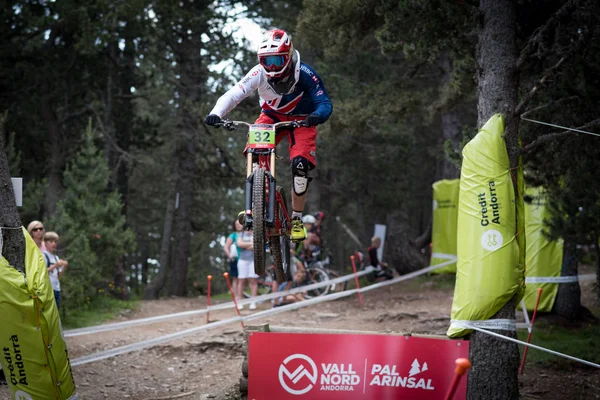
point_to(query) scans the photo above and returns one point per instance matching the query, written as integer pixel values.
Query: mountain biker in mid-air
(289, 90)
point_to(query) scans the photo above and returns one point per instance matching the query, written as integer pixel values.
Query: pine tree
(92, 227)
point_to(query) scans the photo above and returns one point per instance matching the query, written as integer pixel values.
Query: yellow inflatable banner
(444, 222)
(543, 259)
(488, 271)
(34, 354)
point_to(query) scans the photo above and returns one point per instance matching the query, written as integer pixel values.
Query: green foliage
(33, 200)
(14, 155)
(566, 165)
(92, 227)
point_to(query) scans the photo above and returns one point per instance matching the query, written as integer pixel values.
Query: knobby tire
(259, 223)
(280, 245)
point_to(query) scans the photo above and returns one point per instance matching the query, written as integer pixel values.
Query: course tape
(560, 279)
(305, 303)
(526, 316)
(495, 324)
(468, 325)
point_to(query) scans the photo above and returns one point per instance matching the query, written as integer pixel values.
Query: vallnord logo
(294, 382)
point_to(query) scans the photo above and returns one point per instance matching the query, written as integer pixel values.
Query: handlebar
(234, 125)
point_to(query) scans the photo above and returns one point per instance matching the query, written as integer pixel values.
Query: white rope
(467, 325)
(561, 127)
(159, 318)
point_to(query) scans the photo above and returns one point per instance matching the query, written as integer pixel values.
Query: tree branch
(527, 98)
(537, 37)
(552, 103)
(530, 148)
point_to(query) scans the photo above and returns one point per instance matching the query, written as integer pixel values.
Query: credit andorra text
(15, 365)
(490, 208)
(343, 377)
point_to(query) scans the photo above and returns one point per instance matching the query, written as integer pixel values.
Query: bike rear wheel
(259, 223)
(280, 245)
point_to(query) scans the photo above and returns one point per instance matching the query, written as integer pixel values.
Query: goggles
(273, 63)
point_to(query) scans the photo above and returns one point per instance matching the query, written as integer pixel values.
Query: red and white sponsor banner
(331, 367)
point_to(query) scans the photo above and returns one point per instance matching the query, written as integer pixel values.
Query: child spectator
(55, 266)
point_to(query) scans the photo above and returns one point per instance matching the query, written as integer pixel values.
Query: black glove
(312, 120)
(212, 120)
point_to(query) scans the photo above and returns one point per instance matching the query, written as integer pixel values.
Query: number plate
(261, 136)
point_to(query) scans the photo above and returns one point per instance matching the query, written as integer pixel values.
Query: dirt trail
(207, 365)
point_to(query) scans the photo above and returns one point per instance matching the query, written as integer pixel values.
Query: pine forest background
(103, 101)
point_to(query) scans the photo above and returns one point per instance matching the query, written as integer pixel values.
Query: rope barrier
(561, 127)
(305, 303)
(468, 325)
(222, 306)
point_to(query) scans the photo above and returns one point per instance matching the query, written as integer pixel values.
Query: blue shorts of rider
(233, 271)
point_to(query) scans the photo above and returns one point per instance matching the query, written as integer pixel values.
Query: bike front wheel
(259, 220)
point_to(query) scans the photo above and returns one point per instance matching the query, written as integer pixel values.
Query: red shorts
(303, 141)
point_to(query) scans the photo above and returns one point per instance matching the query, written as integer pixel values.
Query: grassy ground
(101, 310)
(581, 342)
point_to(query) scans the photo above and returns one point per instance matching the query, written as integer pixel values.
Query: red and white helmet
(276, 53)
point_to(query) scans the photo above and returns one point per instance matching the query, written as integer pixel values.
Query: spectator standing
(55, 266)
(232, 253)
(36, 230)
(245, 244)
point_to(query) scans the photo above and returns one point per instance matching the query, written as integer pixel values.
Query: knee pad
(300, 168)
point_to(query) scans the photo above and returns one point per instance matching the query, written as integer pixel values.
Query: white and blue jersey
(308, 96)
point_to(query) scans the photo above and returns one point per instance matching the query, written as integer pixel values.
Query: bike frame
(262, 153)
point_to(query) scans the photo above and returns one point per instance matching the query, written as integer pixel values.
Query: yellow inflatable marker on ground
(543, 257)
(34, 354)
(488, 271)
(444, 223)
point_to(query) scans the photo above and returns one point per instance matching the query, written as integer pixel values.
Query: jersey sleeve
(244, 88)
(319, 96)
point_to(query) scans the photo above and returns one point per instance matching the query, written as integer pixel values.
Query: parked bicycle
(265, 203)
(313, 275)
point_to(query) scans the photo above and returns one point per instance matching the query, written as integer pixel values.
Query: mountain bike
(265, 203)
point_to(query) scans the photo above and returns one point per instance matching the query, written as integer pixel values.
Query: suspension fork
(248, 191)
(271, 209)
(272, 189)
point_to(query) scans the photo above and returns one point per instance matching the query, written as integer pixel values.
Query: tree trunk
(55, 161)
(597, 247)
(186, 158)
(568, 298)
(496, 361)
(191, 71)
(152, 290)
(13, 243)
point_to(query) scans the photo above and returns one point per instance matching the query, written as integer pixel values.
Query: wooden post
(248, 330)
